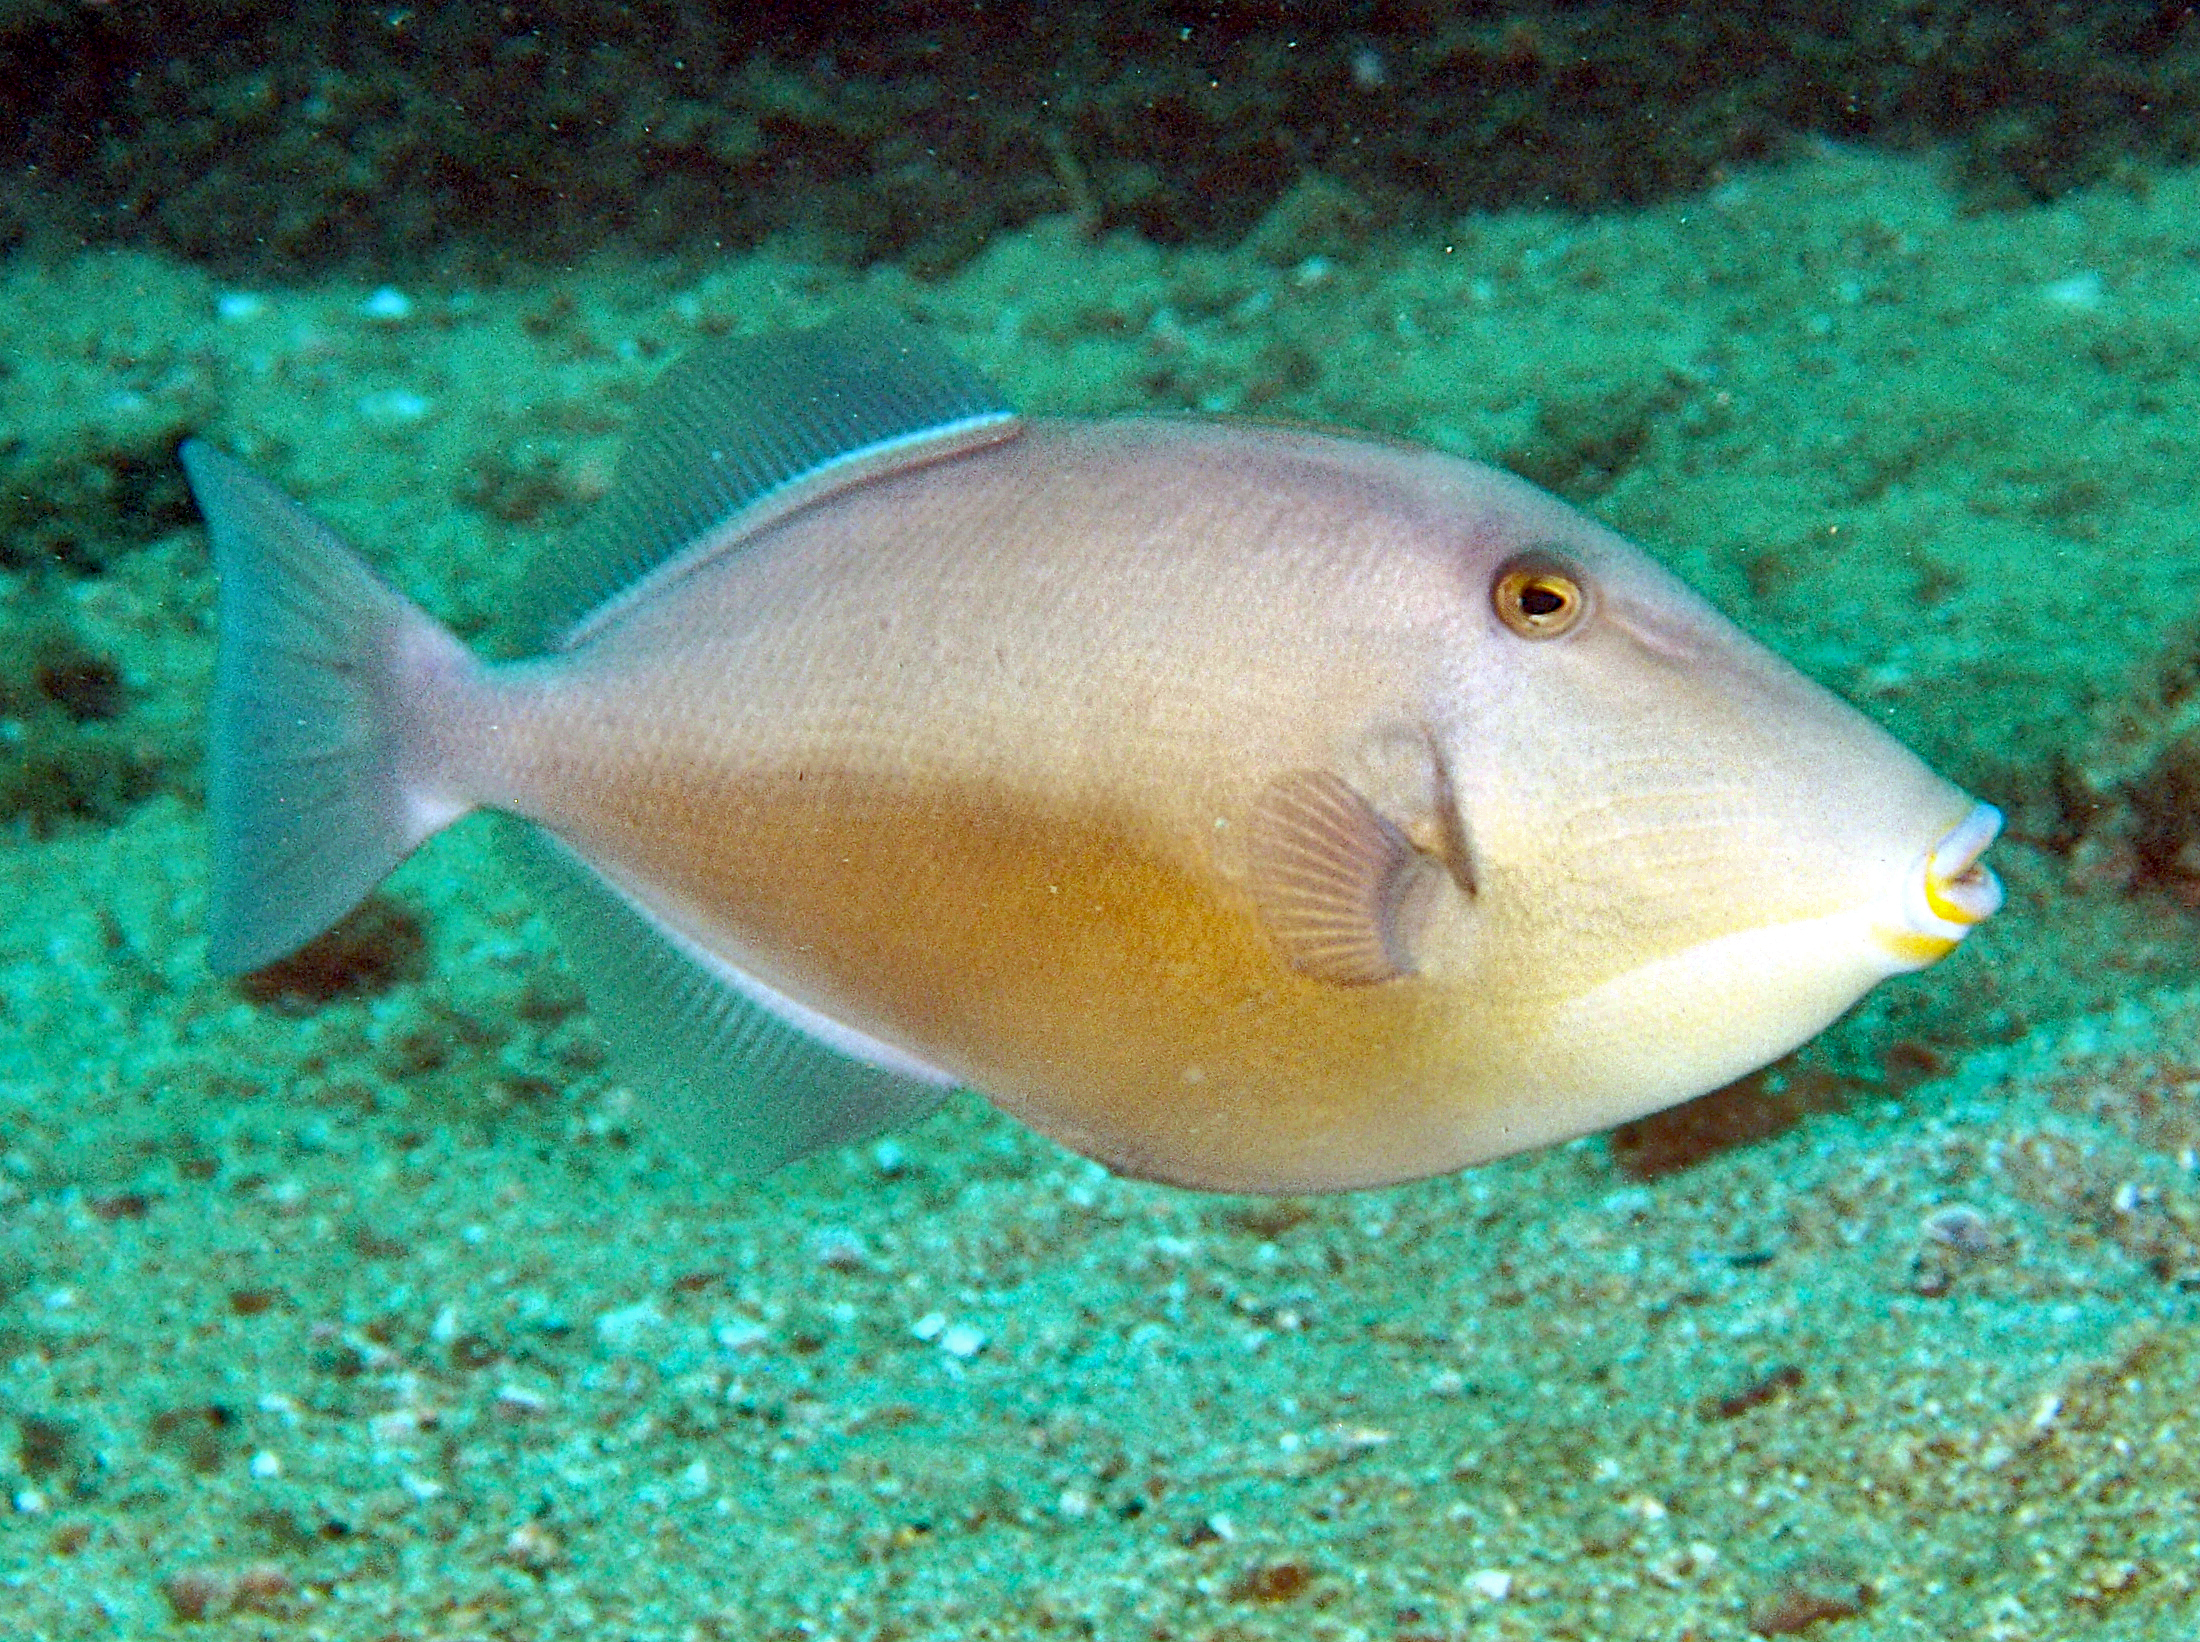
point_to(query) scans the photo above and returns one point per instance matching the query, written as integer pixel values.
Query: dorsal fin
(742, 431)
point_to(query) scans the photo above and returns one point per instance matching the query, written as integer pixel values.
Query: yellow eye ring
(1538, 598)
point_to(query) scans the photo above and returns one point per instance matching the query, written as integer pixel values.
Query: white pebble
(266, 1465)
(1961, 1228)
(396, 1428)
(387, 303)
(393, 406)
(624, 1329)
(2078, 291)
(742, 1334)
(838, 1248)
(961, 1340)
(1491, 1584)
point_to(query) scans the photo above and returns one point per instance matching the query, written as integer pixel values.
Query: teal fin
(313, 790)
(734, 1070)
(744, 430)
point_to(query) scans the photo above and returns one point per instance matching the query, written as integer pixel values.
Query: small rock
(533, 1547)
(387, 304)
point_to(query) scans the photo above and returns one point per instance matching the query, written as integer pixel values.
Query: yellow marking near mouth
(1943, 906)
(1957, 889)
(1917, 950)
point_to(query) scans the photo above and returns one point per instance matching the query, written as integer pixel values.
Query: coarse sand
(356, 1302)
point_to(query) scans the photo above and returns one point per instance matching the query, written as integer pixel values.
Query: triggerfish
(1251, 807)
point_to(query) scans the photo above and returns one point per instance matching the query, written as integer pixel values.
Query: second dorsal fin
(743, 430)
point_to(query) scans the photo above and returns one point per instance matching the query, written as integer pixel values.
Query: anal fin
(744, 1076)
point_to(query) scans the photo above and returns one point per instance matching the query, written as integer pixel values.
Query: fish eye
(1538, 597)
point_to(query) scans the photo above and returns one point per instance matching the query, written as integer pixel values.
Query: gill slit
(1456, 850)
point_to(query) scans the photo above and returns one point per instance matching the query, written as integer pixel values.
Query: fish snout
(1947, 890)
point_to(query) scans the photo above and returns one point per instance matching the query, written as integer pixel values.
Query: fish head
(1684, 855)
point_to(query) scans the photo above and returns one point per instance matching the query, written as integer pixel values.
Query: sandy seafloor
(390, 1318)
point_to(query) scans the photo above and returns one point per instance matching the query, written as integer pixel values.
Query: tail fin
(317, 782)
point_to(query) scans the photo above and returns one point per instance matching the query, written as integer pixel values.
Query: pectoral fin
(1343, 892)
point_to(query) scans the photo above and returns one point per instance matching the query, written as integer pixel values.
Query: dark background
(413, 139)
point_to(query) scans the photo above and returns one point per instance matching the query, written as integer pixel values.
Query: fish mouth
(1947, 892)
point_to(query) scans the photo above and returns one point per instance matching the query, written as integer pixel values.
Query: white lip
(1948, 891)
(1958, 889)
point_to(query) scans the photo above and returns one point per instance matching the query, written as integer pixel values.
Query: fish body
(1246, 807)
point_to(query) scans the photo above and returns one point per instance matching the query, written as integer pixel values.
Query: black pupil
(1540, 599)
